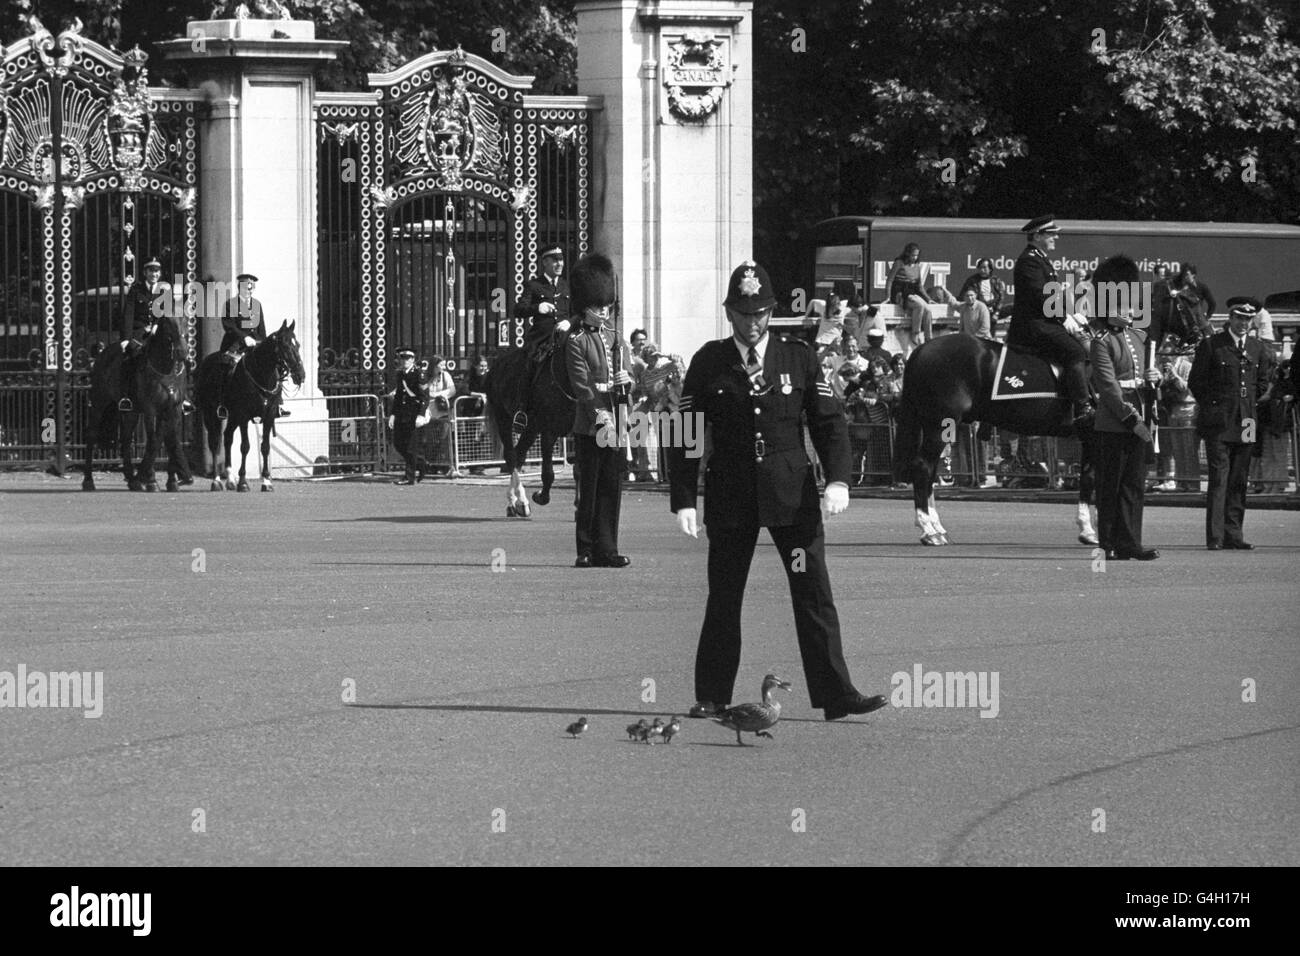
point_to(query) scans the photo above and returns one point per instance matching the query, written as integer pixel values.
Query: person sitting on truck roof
(906, 292)
(1033, 326)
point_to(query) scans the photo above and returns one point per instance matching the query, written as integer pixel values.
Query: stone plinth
(258, 189)
(673, 184)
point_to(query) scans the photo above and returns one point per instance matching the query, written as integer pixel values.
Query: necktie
(753, 358)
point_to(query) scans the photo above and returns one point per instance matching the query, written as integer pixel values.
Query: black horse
(952, 379)
(157, 392)
(550, 410)
(252, 392)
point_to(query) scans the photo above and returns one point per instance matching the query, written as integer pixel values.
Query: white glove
(686, 521)
(604, 418)
(391, 419)
(1072, 325)
(621, 377)
(836, 499)
(562, 325)
(250, 341)
(545, 308)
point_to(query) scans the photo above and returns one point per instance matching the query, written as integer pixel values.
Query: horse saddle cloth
(1022, 374)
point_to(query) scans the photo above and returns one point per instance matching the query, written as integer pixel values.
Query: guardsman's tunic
(759, 476)
(1118, 367)
(591, 360)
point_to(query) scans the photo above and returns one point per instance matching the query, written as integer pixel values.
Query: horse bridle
(282, 370)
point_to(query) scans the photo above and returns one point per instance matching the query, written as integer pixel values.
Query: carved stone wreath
(696, 75)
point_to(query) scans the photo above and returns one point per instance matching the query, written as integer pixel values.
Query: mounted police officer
(545, 303)
(245, 326)
(1033, 327)
(146, 301)
(752, 390)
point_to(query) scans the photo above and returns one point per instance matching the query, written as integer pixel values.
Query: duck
(634, 730)
(755, 718)
(576, 728)
(673, 728)
(648, 734)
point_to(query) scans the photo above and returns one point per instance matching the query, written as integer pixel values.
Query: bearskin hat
(591, 283)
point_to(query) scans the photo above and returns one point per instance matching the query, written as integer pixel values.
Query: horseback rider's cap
(1246, 305)
(245, 275)
(591, 283)
(555, 251)
(153, 264)
(406, 353)
(1041, 224)
(750, 289)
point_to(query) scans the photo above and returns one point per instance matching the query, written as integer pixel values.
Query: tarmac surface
(229, 628)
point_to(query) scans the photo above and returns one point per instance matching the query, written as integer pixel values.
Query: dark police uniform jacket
(589, 354)
(1033, 272)
(758, 472)
(239, 322)
(140, 307)
(537, 290)
(410, 397)
(1227, 383)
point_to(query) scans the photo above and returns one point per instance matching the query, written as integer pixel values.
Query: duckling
(648, 734)
(755, 718)
(672, 730)
(634, 730)
(574, 729)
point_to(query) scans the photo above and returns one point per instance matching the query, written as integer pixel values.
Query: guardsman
(409, 398)
(1229, 374)
(1033, 326)
(146, 301)
(598, 362)
(752, 389)
(1119, 369)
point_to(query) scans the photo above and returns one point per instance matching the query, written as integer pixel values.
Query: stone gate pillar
(672, 198)
(257, 189)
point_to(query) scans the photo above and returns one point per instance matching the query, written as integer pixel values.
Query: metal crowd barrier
(468, 440)
(357, 437)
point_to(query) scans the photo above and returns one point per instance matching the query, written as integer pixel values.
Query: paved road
(1117, 691)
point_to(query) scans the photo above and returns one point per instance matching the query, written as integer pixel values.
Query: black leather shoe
(185, 481)
(584, 561)
(705, 708)
(854, 704)
(404, 481)
(1213, 546)
(1146, 554)
(1238, 546)
(610, 561)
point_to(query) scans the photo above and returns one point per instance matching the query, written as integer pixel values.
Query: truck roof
(845, 230)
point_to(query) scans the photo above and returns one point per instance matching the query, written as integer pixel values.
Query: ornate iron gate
(436, 191)
(97, 173)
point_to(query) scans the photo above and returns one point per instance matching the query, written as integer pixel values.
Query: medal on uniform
(786, 387)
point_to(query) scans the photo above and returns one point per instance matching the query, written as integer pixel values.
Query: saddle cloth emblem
(1025, 376)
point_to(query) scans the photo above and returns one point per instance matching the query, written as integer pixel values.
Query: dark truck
(1232, 259)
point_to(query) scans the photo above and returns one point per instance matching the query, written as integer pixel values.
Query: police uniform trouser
(600, 492)
(803, 552)
(403, 431)
(1051, 339)
(1225, 501)
(1120, 490)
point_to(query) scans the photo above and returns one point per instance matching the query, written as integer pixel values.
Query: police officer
(752, 388)
(1034, 329)
(1119, 368)
(245, 326)
(146, 302)
(545, 303)
(1231, 370)
(598, 362)
(409, 400)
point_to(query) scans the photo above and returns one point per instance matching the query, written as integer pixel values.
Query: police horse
(961, 378)
(253, 392)
(549, 412)
(157, 393)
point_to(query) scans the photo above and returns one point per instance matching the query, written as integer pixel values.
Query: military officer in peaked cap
(545, 304)
(410, 398)
(146, 302)
(1033, 329)
(1229, 374)
(751, 390)
(245, 326)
